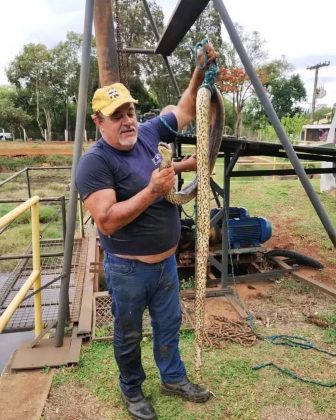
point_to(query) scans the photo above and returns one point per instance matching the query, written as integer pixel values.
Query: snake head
(166, 154)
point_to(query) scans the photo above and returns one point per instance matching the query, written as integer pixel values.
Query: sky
(303, 31)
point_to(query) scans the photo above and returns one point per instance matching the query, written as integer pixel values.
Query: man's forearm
(187, 103)
(122, 213)
(187, 165)
(186, 108)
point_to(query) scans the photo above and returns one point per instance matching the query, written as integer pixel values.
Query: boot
(186, 390)
(139, 407)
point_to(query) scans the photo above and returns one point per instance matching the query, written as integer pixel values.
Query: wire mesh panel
(102, 316)
(51, 269)
(102, 326)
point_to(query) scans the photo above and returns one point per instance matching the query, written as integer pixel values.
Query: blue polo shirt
(102, 167)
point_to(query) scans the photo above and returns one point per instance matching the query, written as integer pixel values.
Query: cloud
(302, 62)
(302, 31)
(39, 21)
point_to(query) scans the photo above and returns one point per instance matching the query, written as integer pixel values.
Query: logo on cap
(113, 93)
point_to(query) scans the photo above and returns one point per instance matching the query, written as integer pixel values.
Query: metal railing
(35, 276)
(26, 171)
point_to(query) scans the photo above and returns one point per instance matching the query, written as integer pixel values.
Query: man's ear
(96, 120)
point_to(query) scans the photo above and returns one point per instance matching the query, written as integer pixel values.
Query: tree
(322, 113)
(12, 117)
(285, 92)
(66, 68)
(32, 70)
(146, 101)
(236, 82)
(292, 126)
(151, 69)
(47, 82)
(233, 80)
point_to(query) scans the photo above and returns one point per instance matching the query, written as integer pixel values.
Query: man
(122, 187)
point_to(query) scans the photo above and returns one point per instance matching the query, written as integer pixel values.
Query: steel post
(35, 222)
(63, 309)
(275, 121)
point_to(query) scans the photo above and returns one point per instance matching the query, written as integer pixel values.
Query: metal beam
(157, 36)
(184, 16)
(315, 283)
(63, 310)
(137, 50)
(260, 91)
(233, 161)
(280, 172)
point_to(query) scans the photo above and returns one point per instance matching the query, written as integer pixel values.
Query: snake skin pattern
(216, 132)
(209, 138)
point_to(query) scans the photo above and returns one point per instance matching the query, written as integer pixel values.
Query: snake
(209, 138)
(189, 192)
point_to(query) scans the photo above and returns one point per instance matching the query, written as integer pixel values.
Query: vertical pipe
(36, 266)
(28, 183)
(63, 211)
(108, 63)
(157, 36)
(80, 217)
(275, 121)
(225, 223)
(332, 130)
(63, 309)
(66, 137)
(314, 96)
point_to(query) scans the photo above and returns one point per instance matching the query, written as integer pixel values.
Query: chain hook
(202, 45)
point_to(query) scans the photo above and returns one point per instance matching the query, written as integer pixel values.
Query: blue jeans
(135, 285)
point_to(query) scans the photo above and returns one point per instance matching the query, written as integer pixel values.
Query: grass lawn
(90, 390)
(239, 392)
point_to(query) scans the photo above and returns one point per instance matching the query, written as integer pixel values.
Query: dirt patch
(283, 238)
(221, 307)
(36, 149)
(74, 402)
(292, 413)
(277, 308)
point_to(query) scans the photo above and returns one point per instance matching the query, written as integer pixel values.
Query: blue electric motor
(237, 212)
(249, 231)
(245, 231)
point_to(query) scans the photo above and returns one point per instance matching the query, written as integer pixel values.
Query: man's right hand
(162, 181)
(211, 53)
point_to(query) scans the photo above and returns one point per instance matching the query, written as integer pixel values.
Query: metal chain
(223, 329)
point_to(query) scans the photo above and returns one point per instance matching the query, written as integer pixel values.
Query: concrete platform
(23, 395)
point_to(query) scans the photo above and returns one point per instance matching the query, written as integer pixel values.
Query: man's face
(120, 129)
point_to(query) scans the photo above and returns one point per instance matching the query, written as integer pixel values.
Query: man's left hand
(190, 163)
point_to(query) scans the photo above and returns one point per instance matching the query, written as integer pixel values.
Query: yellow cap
(108, 98)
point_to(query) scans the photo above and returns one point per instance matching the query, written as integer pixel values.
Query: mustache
(127, 130)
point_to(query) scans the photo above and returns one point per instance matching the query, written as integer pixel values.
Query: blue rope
(294, 375)
(208, 82)
(210, 74)
(177, 133)
(287, 340)
(202, 45)
(279, 339)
